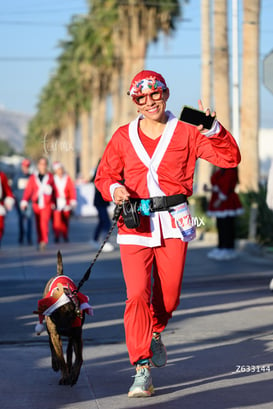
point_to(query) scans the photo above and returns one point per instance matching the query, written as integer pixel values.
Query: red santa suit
(157, 242)
(224, 200)
(6, 201)
(65, 201)
(225, 205)
(42, 195)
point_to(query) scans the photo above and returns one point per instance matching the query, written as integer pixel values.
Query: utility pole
(204, 167)
(235, 74)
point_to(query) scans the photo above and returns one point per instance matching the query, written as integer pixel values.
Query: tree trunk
(85, 146)
(98, 127)
(60, 154)
(204, 167)
(115, 98)
(67, 147)
(133, 47)
(249, 167)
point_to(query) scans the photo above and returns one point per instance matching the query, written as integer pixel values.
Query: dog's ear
(58, 291)
(60, 270)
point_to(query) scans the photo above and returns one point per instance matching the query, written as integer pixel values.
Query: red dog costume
(149, 168)
(52, 301)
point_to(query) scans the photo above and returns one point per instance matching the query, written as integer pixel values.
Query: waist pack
(133, 207)
(130, 215)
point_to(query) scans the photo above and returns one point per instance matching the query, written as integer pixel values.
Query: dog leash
(117, 212)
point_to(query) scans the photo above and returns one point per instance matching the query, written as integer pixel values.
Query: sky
(30, 31)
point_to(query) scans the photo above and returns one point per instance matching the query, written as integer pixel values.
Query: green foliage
(264, 221)
(264, 233)
(89, 56)
(198, 205)
(5, 148)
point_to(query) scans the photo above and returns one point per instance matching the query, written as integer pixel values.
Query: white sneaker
(108, 247)
(226, 254)
(214, 253)
(143, 384)
(271, 285)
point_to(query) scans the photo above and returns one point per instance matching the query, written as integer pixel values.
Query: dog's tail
(60, 270)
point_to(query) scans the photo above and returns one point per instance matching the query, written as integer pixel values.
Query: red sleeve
(110, 169)
(54, 190)
(220, 149)
(71, 189)
(7, 192)
(28, 192)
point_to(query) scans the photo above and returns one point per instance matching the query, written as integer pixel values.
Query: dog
(63, 308)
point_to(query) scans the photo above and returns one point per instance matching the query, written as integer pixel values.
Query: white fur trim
(112, 189)
(2, 210)
(39, 328)
(61, 301)
(9, 202)
(222, 197)
(87, 307)
(159, 220)
(216, 127)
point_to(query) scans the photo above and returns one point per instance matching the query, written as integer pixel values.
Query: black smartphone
(195, 117)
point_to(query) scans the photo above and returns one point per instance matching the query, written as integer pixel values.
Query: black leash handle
(117, 213)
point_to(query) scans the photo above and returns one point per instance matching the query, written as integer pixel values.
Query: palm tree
(103, 52)
(249, 168)
(78, 51)
(139, 23)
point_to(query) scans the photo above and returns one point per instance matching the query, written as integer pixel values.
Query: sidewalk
(222, 326)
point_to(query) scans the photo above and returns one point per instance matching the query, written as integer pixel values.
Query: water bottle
(182, 216)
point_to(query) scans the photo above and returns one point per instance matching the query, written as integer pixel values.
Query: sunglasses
(142, 99)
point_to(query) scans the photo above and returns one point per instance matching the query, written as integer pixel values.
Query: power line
(153, 57)
(42, 59)
(32, 23)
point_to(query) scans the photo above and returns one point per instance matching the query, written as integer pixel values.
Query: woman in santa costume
(225, 205)
(65, 202)
(148, 166)
(6, 201)
(40, 190)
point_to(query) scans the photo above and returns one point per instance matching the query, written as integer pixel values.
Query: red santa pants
(42, 218)
(149, 305)
(61, 223)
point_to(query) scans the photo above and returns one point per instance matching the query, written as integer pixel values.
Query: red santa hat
(57, 165)
(147, 79)
(26, 163)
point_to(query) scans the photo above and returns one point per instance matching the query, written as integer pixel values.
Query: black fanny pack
(132, 208)
(130, 214)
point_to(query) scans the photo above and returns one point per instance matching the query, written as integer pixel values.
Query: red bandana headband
(150, 80)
